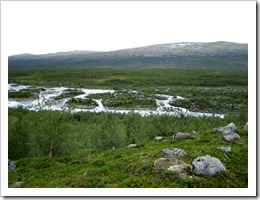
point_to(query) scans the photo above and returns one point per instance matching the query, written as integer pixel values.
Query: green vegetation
(212, 99)
(134, 79)
(205, 91)
(85, 102)
(126, 99)
(61, 149)
(23, 94)
(69, 93)
(98, 131)
(77, 150)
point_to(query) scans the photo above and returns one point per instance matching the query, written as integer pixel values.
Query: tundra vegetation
(86, 149)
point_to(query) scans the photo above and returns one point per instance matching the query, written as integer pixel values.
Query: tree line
(58, 133)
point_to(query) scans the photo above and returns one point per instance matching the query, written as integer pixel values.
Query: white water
(93, 91)
(46, 101)
(16, 88)
(100, 106)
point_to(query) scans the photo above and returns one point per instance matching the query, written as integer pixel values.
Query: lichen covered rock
(172, 164)
(173, 152)
(206, 165)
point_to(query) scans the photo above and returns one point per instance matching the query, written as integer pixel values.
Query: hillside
(215, 55)
(135, 167)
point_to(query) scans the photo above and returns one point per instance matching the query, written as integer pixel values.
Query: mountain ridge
(184, 55)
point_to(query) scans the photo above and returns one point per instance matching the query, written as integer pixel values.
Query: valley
(161, 116)
(107, 128)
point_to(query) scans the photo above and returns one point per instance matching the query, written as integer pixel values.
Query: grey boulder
(226, 149)
(230, 127)
(180, 135)
(229, 135)
(228, 132)
(11, 164)
(206, 165)
(173, 152)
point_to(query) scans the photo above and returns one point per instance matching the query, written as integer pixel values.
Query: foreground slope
(134, 167)
(214, 55)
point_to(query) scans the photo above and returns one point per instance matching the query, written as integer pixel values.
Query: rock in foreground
(206, 165)
(172, 164)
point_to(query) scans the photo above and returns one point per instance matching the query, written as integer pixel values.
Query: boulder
(158, 138)
(230, 127)
(193, 132)
(206, 165)
(11, 164)
(229, 135)
(179, 135)
(246, 126)
(17, 184)
(132, 145)
(173, 152)
(226, 149)
(228, 132)
(172, 164)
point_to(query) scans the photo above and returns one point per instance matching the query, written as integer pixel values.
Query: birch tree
(54, 136)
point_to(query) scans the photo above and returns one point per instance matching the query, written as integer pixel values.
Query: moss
(133, 168)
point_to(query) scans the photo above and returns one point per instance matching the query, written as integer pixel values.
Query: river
(46, 101)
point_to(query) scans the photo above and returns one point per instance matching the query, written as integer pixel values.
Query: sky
(48, 27)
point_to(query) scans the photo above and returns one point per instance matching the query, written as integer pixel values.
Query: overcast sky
(46, 27)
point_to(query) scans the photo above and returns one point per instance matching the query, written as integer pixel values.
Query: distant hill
(189, 55)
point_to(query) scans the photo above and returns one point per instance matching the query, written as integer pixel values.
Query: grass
(124, 167)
